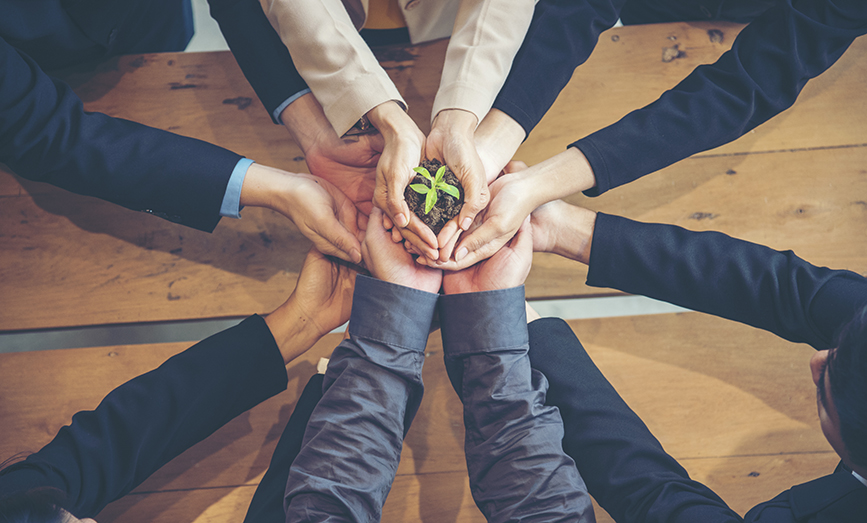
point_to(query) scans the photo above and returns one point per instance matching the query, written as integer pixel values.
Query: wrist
(389, 118)
(268, 187)
(499, 130)
(305, 119)
(455, 121)
(293, 330)
(575, 233)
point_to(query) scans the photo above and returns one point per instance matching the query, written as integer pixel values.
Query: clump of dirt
(446, 206)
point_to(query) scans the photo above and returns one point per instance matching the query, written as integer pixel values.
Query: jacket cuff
(391, 314)
(483, 322)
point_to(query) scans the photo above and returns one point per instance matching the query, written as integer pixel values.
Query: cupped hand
(323, 294)
(348, 161)
(390, 261)
(451, 141)
(507, 268)
(320, 210)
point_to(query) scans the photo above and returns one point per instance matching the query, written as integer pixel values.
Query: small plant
(436, 184)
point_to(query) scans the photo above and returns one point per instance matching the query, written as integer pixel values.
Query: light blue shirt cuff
(279, 110)
(231, 207)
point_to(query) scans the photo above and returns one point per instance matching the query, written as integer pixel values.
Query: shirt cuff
(391, 314)
(231, 207)
(279, 110)
(482, 322)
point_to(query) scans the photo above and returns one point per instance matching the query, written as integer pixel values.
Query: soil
(446, 207)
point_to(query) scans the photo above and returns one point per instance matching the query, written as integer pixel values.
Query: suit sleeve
(561, 37)
(769, 63)
(485, 38)
(625, 467)
(516, 464)
(141, 425)
(341, 70)
(260, 53)
(720, 275)
(47, 136)
(371, 392)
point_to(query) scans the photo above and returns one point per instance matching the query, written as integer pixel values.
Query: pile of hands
(355, 174)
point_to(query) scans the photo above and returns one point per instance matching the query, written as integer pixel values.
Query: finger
(396, 237)
(447, 249)
(514, 166)
(423, 236)
(395, 205)
(488, 238)
(476, 197)
(338, 241)
(449, 230)
(362, 220)
(423, 248)
(386, 222)
(364, 207)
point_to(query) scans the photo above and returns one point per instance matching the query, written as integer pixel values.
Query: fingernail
(355, 255)
(401, 220)
(465, 225)
(462, 252)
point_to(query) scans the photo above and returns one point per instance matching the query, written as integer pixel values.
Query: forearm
(260, 53)
(486, 36)
(141, 425)
(625, 468)
(516, 465)
(770, 62)
(372, 390)
(561, 37)
(497, 138)
(333, 59)
(720, 275)
(53, 140)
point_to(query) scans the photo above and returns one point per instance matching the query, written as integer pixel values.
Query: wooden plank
(67, 260)
(625, 72)
(687, 375)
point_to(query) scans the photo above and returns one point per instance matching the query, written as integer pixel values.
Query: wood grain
(66, 260)
(735, 405)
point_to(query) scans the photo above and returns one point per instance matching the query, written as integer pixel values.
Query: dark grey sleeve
(515, 459)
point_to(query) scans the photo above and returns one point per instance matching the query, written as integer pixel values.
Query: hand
(320, 211)
(348, 162)
(563, 229)
(389, 261)
(321, 302)
(403, 150)
(497, 140)
(507, 268)
(451, 141)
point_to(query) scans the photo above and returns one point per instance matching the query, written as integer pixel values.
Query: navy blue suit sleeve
(720, 275)
(624, 466)
(770, 62)
(260, 53)
(47, 136)
(141, 425)
(561, 37)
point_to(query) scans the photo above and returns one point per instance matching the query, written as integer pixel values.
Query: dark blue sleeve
(769, 63)
(625, 468)
(260, 53)
(141, 425)
(561, 37)
(371, 392)
(47, 136)
(515, 460)
(720, 275)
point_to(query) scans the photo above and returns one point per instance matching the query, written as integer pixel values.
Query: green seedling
(436, 183)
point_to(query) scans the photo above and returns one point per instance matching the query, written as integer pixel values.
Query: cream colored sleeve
(485, 39)
(333, 59)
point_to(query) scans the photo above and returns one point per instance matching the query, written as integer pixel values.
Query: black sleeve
(260, 53)
(769, 63)
(561, 37)
(47, 136)
(720, 275)
(141, 425)
(624, 466)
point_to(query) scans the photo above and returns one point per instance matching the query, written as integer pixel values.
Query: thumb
(476, 198)
(341, 243)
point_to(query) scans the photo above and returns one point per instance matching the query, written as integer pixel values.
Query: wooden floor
(736, 406)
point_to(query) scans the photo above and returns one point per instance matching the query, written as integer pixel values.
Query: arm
(143, 424)
(770, 62)
(333, 59)
(260, 53)
(371, 390)
(626, 469)
(45, 135)
(516, 464)
(709, 272)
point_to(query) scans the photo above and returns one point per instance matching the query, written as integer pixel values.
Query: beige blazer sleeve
(331, 56)
(486, 36)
